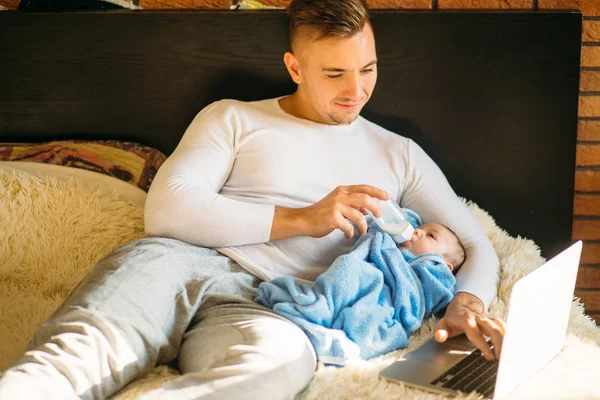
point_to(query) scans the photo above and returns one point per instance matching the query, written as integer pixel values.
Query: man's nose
(353, 88)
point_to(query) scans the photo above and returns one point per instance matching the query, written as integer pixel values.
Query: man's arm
(338, 210)
(428, 192)
(184, 201)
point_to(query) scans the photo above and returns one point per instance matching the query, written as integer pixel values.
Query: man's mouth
(349, 106)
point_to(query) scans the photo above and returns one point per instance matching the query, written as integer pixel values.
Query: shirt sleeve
(184, 201)
(428, 192)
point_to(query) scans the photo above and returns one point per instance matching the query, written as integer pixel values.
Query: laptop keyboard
(472, 373)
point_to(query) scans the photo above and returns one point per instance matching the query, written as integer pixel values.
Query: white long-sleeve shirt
(238, 160)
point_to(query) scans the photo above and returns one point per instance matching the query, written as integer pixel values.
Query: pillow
(130, 162)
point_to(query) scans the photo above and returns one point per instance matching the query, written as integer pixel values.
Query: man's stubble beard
(336, 121)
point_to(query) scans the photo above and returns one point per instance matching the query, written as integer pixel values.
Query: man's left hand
(465, 314)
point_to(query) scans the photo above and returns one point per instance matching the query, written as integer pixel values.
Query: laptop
(542, 298)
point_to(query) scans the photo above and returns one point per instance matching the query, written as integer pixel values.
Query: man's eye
(367, 71)
(334, 76)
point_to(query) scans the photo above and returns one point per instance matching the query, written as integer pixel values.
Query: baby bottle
(394, 221)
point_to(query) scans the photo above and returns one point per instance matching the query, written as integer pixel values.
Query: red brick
(9, 4)
(589, 106)
(589, 81)
(591, 31)
(586, 204)
(275, 3)
(503, 4)
(164, 4)
(590, 253)
(587, 155)
(399, 4)
(590, 56)
(588, 130)
(373, 4)
(588, 278)
(586, 229)
(587, 181)
(587, 7)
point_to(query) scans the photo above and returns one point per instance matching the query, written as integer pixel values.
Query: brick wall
(587, 179)
(586, 210)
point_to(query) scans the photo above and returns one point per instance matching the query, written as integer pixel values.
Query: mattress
(59, 221)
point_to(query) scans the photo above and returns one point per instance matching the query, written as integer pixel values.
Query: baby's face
(430, 238)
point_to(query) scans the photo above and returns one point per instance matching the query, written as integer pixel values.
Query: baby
(373, 298)
(437, 238)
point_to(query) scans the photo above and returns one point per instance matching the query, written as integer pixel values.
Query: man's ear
(293, 66)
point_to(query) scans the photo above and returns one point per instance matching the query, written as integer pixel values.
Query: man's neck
(293, 105)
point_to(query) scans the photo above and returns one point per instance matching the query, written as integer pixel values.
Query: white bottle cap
(405, 235)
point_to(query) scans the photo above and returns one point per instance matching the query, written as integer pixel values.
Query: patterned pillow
(130, 162)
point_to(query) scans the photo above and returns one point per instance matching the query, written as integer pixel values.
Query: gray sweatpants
(154, 301)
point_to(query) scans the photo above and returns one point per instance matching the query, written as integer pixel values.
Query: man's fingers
(367, 189)
(441, 335)
(363, 201)
(343, 225)
(476, 327)
(494, 328)
(501, 325)
(476, 337)
(441, 331)
(355, 216)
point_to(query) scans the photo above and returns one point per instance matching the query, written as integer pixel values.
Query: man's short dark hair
(327, 18)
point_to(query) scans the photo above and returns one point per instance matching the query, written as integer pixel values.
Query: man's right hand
(338, 210)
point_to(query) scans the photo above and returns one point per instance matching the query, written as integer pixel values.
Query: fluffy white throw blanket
(53, 232)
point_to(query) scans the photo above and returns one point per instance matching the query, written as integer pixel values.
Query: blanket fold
(368, 302)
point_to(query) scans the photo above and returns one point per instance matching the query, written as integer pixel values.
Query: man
(253, 191)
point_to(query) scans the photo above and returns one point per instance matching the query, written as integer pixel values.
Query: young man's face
(336, 76)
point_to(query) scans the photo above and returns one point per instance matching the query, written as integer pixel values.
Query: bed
(91, 103)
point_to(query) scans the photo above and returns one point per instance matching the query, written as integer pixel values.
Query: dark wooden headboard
(492, 96)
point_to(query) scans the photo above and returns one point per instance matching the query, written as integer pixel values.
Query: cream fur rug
(54, 231)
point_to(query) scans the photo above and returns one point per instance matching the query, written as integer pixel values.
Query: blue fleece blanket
(368, 302)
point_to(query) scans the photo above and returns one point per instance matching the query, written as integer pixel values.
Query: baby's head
(436, 238)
